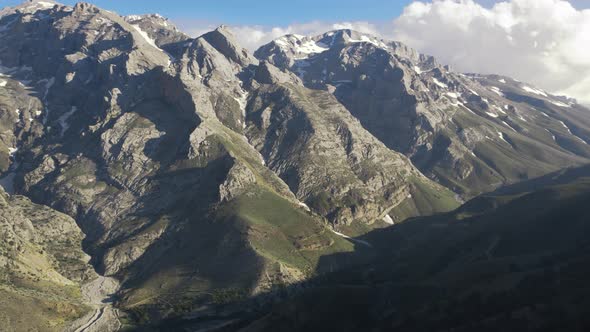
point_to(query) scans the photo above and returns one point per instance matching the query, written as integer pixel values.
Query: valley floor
(105, 318)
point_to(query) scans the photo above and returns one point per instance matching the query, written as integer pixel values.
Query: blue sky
(264, 12)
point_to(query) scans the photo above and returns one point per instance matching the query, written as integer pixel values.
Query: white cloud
(253, 37)
(544, 42)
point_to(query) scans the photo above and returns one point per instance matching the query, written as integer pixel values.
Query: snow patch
(465, 107)
(566, 127)
(367, 39)
(417, 70)
(507, 125)
(311, 47)
(497, 108)
(150, 41)
(453, 95)
(145, 36)
(3, 83)
(560, 104)
(63, 120)
(133, 17)
(502, 81)
(365, 243)
(301, 45)
(501, 135)
(303, 205)
(70, 77)
(534, 91)
(387, 219)
(439, 83)
(497, 91)
(493, 115)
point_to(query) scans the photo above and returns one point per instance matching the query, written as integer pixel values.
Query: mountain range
(201, 176)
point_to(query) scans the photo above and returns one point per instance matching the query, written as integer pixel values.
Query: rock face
(472, 133)
(182, 159)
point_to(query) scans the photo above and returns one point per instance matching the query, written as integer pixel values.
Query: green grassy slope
(42, 266)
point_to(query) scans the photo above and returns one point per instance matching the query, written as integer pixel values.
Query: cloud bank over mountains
(544, 42)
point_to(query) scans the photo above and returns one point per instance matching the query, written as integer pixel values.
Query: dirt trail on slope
(99, 294)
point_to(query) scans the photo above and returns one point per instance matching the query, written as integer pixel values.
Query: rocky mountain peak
(30, 7)
(85, 6)
(224, 41)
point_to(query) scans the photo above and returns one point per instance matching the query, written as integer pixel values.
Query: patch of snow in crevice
(502, 80)
(243, 102)
(133, 17)
(104, 21)
(17, 111)
(48, 84)
(467, 108)
(387, 219)
(501, 135)
(499, 109)
(552, 135)
(302, 46)
(3, 83)
(439, 83)
(560, 104)
(151, 42)
(566, 127)
(509, 126)
(63, 120)
(473, 92)
(534, 91)
(70, 76)
(497, 91)
(453, 95)
(365, 243)
(493, 115)
(417, 70)
(366, 39)
(304, 206)
(570, 132)
(38, 5)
